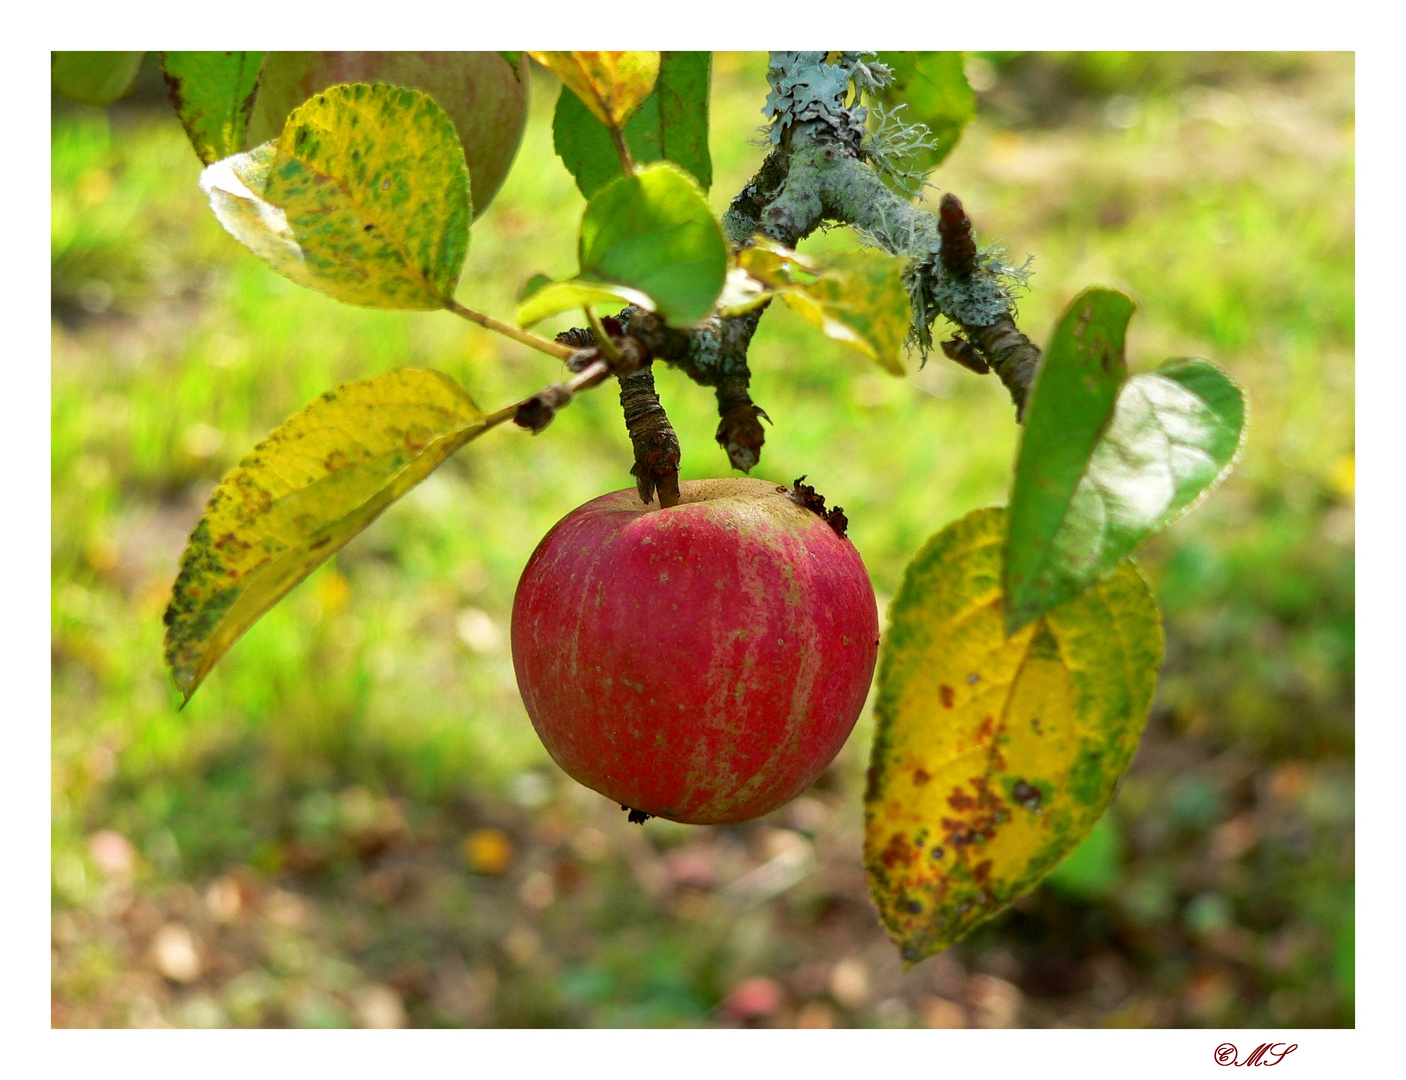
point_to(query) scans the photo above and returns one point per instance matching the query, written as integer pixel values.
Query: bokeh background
(353, 824)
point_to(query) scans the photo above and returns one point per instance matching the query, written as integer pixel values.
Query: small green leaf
(365, 196)
(1171, 435)
(859, 299)
(94, 78)
(1068, 408)
(312, 485)
(671, 124)
(558, 296)
(514, 60)
(995, 756)
(213, 93)
(611, 84)
(653, 234)
(935, 89)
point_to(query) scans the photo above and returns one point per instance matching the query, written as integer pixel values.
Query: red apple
(482, 94)
(701, 663)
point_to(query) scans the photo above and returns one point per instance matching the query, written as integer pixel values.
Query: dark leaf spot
(1026, 794)
(945, 693)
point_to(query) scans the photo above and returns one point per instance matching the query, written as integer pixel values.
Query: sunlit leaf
(934, 87)
(365, 196)
(774, 264)
(558, 296)
(1167, 437)
(994, 756)
(213, 94)
(94, 78)
(611, 84)
(856, 297)
(671, 124)
(299, 496)
(483, 93)
(653, 234)
(742, 293)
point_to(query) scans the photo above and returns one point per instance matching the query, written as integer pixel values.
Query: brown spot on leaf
(897, 852)
(982, 870)
(1026, 794)
(921, 776)
(945, 693)
(959, 800)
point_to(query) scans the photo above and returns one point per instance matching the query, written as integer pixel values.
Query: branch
(818, 174)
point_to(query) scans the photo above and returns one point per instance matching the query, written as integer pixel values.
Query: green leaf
(1069, 405)
(365, 196)
(514, 60)
(650, 233)
(213, 93)
(856, 297)
(94, 78)
(671, 124)
(558, 296)
(1168, 437)
(935, 89)
(994, 756)
(313, 484)
(610, 84)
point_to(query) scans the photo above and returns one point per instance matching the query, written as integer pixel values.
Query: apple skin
(702, 663)
(484, 98)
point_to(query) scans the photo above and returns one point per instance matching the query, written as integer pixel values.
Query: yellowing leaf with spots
(611, 84)
(994, 756)
(365, 196)
(299, 496)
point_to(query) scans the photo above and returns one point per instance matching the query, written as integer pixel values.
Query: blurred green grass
(1218, 193)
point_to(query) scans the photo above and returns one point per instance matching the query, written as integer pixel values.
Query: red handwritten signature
(1226, 1054)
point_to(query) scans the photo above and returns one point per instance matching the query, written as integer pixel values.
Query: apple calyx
(812, 500)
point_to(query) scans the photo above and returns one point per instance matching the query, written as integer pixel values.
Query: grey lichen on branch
(819, 173)
(825, 168)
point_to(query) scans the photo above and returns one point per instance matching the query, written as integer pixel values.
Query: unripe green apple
(480, 91)
(702, 663)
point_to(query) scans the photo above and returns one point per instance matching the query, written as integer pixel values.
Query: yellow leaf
(993, 756)
(773, 264)
(610, 84)
(365, 196)
(856, 297)
(859, 299)
(303, 492)
(741, 293)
